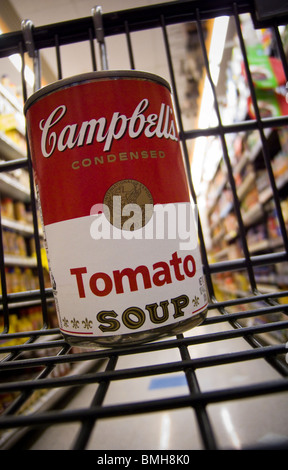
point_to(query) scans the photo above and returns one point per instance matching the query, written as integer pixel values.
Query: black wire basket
(41, 374)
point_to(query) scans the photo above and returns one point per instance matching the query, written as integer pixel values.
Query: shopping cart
(34, 363)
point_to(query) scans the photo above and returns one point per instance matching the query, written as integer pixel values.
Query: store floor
(236, 424)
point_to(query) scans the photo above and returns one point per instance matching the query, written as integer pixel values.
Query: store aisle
(236, 424)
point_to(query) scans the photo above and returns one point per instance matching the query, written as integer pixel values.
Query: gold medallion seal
(128, 205)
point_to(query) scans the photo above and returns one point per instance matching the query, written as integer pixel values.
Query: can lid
(91, 76)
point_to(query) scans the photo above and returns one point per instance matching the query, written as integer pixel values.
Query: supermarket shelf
(12, 99)
(253, 215)
(10, 149)
(246, 186)
(21, 261)
(265, 245)
(20, 227)
(12, 188)
(248, 156)
(267, 194)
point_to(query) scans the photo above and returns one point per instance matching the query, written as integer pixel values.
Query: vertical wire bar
(27, 31)
(37, 70)
(186, 156)
(129, 45)
(265, 148)
(58, 57)
(100, 35)
(205, 426)
(92, 50)
(23, 81)
(232, 182)
(4, 297)
(34, 212)
(87, 426)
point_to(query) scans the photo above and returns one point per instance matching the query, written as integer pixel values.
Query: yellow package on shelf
(8, 122)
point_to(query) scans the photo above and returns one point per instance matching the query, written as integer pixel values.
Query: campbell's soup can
(120, 228)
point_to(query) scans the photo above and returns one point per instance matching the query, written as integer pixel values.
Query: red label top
(86, 137)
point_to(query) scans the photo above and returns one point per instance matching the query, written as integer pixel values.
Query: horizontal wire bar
(131, 408)
(23, 334)
(241, 126)
(145, 371)
(16, 297)
(11, 165)
(246, 314)
(240, 263)
(256, 297)
(32, 347)
(189, 341)
(114, 23)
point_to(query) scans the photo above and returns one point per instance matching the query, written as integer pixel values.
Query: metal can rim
(91, 76)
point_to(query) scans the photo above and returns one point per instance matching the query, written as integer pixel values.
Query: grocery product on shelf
(12, 124)
(253, 186)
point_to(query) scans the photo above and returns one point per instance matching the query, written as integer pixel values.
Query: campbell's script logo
(160, 125)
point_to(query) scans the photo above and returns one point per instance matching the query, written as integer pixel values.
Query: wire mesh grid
(28, 368)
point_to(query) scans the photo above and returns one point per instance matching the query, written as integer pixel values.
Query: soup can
(119, 226)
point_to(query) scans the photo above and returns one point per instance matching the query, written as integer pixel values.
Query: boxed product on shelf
(31, 281)
(23, 319)
(215, 186)
(14, 280)
(225, 202)
(256, 235)
(238, 145)
(265, 274)
(241, 281)
(214, 216)
(280, 166)
(267, 72)
(262, 180)
(282, 277)
(247, 170)
(22, 279)
(20, 211)
(252, 139)
(284, 208)
(250, 200)
(14, 243)
(235, 250)
(217, 233)
(230, 224)
(268, 76)
(274, 231)
(283, 137)
(15, 210)
(270, 104)
(7, 208)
